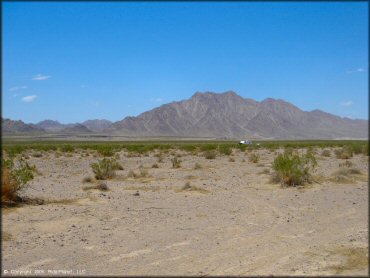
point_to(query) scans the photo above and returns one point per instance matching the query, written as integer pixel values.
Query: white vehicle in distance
(247, 142)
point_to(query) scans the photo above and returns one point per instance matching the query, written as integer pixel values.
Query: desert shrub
(325, 153)
(87, 179)
(101, 186)
(188, 147)
(348, 171)
(144, 172)
(210, 154)
(254, 158)
(347, 164)
(37, 154)
(176, 163)
(265, 171)
(208, 147)
(12, 151)
(66, 148)
(344, 153)
(105, 168)
(186, 186)
(292, 169)
(365, 149)
(132, 174)
(225, 149)
(160, 158)
(197, 166)
(356, 148)
(14, 176)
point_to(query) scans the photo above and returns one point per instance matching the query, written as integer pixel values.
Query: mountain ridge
(225, 115)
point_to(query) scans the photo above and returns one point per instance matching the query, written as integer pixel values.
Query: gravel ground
(234, 222)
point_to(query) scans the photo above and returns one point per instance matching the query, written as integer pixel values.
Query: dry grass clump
(6, 236)
(326, 153)
(347, 164)
(132, 174)
(101, 186)
(143, 173)
(293, 169)
(176, 163)
(37, 154)
(346, 175)
(187, 187)
(355, 258)
(105, 168)
(265, 171)
(254, 157)
(197, 166)
(224, 149)
(211, 154)
(159, 157)
(87, 179)
(344, 153)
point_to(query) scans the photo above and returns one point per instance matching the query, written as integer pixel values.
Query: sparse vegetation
(105, 168)
(292, 169)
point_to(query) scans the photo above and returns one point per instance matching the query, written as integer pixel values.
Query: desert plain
(207, 217)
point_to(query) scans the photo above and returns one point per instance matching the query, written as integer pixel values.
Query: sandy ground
(237, 223)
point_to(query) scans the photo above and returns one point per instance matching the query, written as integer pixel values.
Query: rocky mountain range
(225, 115)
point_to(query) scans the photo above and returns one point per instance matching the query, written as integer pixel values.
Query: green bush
(105, 168)
(14, 176)
(292, 169)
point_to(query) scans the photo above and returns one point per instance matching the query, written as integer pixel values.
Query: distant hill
(76, 129)
(97, 125)
(229, 115)
(50, 125)
(18, 127)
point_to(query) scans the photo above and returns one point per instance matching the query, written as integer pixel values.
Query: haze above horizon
(74, 61)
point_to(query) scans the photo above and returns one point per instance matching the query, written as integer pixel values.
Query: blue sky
(73, 61)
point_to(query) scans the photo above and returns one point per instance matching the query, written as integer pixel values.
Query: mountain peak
(213, 94)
